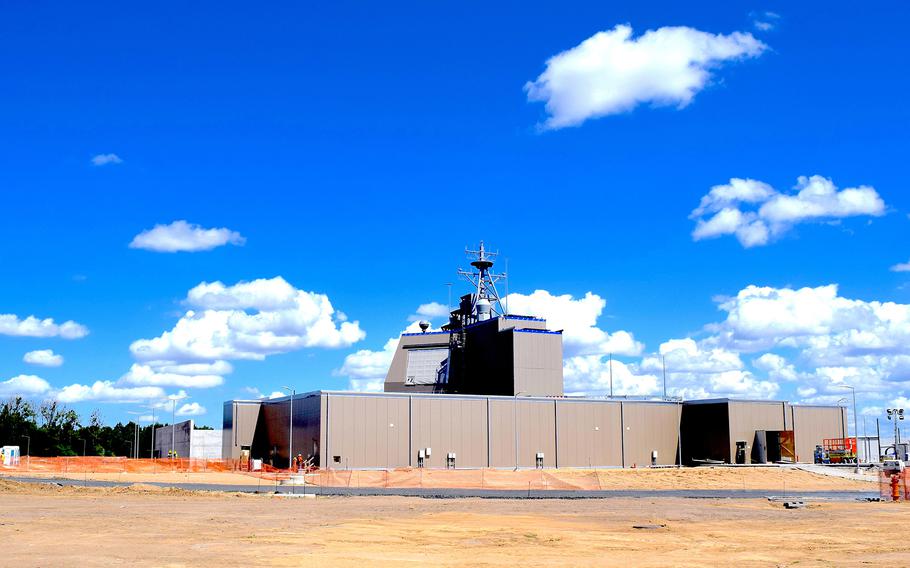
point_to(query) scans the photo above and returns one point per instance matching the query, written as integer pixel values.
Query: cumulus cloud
(699, 369)
(106, 159)
(43, 357)
(181, 236)
(10, 324)
(430, 311)
(147, 375)
(366, 369)
(589, 375)
(249, 320)
(901, 267)
(191, 409)
(756, 214)
(25, 386)
(107, 391)
(577, 317)
(611, 72)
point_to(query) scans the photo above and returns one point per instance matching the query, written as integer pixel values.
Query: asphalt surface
(480, 493)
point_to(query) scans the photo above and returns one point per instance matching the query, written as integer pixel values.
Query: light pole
(28, 451)
(291, 429)
(855, 427)
(152, 428)
(173, 430)
(515, 414)
(895, 414)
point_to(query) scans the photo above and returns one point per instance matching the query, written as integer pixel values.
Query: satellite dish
(424, 326)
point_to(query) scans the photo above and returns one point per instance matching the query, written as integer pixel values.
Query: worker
(895, 487)
(299, 462)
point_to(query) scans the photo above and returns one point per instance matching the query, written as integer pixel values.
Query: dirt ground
(772, 479)
(46, 525)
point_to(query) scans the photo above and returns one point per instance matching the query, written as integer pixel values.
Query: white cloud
(430, 311)
(191, 409)
(10, 324)
(590, 375)
(43, 357)
(181, 236)
(105, 159)
(776, 367)
(24, 385)
(765, 21)
(146, 375)
(107, 391)
(367, 369)
(771, 214)
(611, 72)
(578, 320)
(901, 267)
(250, 320)
(277, 394)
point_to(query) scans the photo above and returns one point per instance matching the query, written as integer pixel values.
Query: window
(424, 365)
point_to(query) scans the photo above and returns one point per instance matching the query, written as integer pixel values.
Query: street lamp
(28, 451)
(515, 415)
(855, 426)
(291, 429)
(895, 414)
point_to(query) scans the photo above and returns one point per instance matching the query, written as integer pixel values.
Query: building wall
(395, 377)
(588, 433)
(449, 425)
(239, 426)
(367, 431)
(747, 417)
(536, 431)
(169, 438)
(649, 426)
(537, 363)
(813, 424)
(205, 444)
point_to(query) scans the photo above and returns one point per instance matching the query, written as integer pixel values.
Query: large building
(487, 391)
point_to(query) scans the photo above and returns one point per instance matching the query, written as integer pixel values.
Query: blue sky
(357, 149)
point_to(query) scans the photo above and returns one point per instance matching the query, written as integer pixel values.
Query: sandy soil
(150, 526)
(775, 479)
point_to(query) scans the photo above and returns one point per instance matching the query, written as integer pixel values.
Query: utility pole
(855, 427)
(152, 428)
(291, 429)
(28, 451)
(173, 431)
(663, 359)
(611, 375)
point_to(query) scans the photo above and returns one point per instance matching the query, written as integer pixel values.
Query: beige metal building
(382, 430)
(712, 430)
(344, 430)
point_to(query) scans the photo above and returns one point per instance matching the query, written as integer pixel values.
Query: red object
(895, 488)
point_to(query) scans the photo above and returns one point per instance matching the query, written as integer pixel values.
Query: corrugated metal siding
(368, 431)
(813, 425)
(538, 364)
(240, 419)
(536, 432)
(454, 425)
(747, 417)
(589, 433)
(648, 427)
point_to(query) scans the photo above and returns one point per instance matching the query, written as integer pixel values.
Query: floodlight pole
(291, 429)
(173, 431)
(855, 427)
(28, 451)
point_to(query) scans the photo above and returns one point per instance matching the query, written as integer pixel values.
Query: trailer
(837, 450)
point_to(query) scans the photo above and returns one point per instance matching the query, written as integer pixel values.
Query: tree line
(51, 429)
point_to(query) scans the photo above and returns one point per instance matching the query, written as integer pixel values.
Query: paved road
(483, 493)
